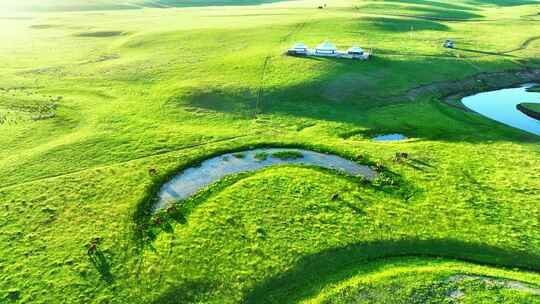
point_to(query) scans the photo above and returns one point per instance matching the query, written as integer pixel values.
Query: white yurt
(326, 48)
(298, 48)
(355, 50)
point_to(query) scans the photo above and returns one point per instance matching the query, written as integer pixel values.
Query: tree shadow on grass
(316, 271)
(102, 265)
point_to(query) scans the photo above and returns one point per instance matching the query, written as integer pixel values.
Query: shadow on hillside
(437, 4)
(80, 6)
(434, 12)
(502, 2)
(201, 3)
(404, 25)
(470, 4)
(186, 292)
(349, 92)
(193, 3)
(316, 271)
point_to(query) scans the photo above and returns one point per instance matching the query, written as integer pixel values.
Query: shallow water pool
(193, 179)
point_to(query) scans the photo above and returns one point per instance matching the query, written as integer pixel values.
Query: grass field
(95, 96)
(532, 106)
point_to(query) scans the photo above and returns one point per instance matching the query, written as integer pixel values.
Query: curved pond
(191, 180)
(501, 105)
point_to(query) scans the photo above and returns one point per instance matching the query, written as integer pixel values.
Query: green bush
(287, 155)
(261, 156)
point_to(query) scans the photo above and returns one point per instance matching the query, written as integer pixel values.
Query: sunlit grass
(138, 93)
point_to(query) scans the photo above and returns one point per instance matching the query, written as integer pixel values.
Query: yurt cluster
(327, 49)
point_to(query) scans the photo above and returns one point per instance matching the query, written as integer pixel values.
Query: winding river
(501, 105)
(193, 179)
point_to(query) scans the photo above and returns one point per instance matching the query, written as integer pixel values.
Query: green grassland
(414, 280)
(530, 109)
(532, 106)
(93, 98)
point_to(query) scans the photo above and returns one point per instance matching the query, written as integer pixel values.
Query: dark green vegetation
(530, 109)
(287, 155)
(139, 94)
(239, 155)
(414, 280)
(100, 34)
(532, 106)
(261, 156)
(536, 88)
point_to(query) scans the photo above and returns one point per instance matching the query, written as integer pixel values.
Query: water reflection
(191, 180)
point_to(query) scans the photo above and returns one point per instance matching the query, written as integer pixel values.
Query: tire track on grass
(260, 92)
(258, 105)
(523, 46)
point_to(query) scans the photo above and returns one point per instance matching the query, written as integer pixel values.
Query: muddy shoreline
(192, 179)
(451, 92)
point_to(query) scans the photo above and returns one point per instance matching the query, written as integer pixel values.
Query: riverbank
(500, 105)
(452, 92)
(189, 181)
(181, 86)
(530, 110)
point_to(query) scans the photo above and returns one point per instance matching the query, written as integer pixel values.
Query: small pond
(389, 137)
(501, 105)
(191, 180)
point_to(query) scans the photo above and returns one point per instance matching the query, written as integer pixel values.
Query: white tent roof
(299, 45)
(326, 46)
(355, 49)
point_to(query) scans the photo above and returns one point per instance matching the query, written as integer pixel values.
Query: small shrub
(239, 155)
(400, 156)
(535, 88)
(261, 156)
(92, 246)
(287, 155)
(385, 180)
(378, 167)
(14, 294)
